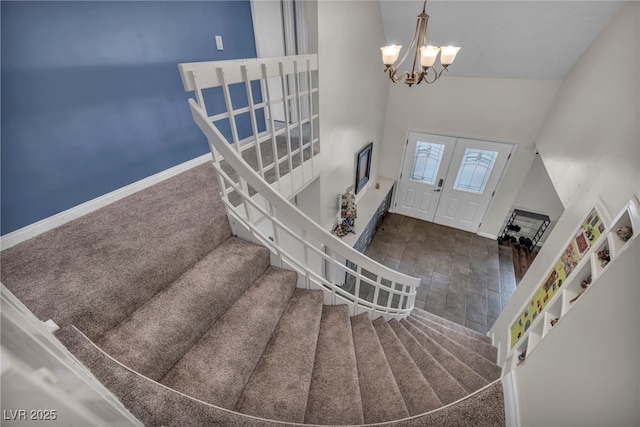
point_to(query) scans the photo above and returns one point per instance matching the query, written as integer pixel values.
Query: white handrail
(391, 293)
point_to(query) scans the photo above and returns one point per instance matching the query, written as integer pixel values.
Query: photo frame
(363, 167)
(582, 243)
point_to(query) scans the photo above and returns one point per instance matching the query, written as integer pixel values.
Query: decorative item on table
(348, 213)
(348, 207)
(604, 257)
(624, 233)
(344, 227)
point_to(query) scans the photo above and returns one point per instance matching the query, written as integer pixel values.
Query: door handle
(437, 189)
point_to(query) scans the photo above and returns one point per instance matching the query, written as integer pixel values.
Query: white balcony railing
(259, 171)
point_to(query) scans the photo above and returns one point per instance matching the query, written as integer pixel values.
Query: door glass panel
(475, 170)
(426, 162)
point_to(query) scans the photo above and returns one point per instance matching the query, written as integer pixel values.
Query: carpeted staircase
(222, 326)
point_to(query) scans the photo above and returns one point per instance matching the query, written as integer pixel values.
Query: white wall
(308, 201)
(507, 110)
(586, 371)
(596, 119)
(353, 93)
(589, 143)
(267, 27)
(538, 194)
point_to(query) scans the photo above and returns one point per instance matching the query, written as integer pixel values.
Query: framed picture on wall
(363, 166)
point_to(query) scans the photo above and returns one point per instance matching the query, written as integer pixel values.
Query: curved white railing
(296, 242)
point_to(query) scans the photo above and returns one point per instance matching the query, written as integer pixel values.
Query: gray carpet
(157, 335)
(157, 282)
(95, 271)
(218, 367)
(279, 385)
(417, 393)
(156, 405)
(381, 397)
(334, 393)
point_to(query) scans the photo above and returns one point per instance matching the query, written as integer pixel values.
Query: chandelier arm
(412, 44)
(423, 19)
(395, 78)
(436, 75)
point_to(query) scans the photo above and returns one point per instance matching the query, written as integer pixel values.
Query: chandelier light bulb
(390, 54)
(428, 55)
(448, 55)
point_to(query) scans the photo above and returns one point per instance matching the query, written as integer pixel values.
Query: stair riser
(487, 351)
(486, 369)
(418, 395)
(466, 376)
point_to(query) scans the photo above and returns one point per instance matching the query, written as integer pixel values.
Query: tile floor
(466, 278)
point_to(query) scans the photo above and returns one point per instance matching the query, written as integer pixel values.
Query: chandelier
(423, 69)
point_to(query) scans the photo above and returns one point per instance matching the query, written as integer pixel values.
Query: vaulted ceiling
(504, 39)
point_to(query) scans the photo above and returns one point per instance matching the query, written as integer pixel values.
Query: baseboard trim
(42, 226)
(487, 235)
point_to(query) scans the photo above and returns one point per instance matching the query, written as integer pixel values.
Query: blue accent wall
(92, 98)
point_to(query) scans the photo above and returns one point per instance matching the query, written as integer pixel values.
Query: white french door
(426, 161)
(450, 181)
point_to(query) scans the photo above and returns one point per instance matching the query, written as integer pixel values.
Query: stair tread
(418, 395)
(334, 394)
(467, 377)
(218, 366)
(444, 385)
(485, 368)
(279, 385)
(487, 351)
(381, 397)
(452, 325)
(154, 337)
